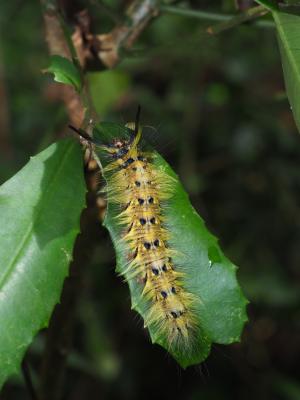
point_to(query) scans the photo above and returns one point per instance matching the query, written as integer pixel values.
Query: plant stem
(28, 380)
(210, 16)
(187, 12)
(246, 16)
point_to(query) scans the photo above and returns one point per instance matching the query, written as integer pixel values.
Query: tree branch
(57, 44)
(106, 49)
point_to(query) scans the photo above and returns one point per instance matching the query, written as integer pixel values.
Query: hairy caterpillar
(141, 190)
(180, 281)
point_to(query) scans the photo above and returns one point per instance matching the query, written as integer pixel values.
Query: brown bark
(57, 44)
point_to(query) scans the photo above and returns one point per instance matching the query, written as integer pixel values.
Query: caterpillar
(180, 281)
(141, 191)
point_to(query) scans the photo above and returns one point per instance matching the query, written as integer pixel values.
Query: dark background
(224, 123)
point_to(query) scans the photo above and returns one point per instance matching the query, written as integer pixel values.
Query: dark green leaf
(288, 28)
(221, 312)
(39, 220)
(65, 72)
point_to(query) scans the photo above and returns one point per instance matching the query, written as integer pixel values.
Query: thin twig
(209, 16)
(246, 16)
(187, 12)
(28, 381)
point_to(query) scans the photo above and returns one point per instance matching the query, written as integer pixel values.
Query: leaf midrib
(29, 230)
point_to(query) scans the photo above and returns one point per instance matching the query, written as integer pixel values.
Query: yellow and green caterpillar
(163, 249)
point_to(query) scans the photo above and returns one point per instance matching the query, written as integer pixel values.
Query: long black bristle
(82, 133)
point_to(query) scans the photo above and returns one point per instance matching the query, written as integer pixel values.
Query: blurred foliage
(224, 123)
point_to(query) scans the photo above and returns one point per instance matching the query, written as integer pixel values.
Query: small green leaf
(288, 28)
(209, 275)
(65, 72)
(40, 209)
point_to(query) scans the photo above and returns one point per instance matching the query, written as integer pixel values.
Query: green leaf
(40, 208)
(288, 28)
(65, 72)
(209, 275)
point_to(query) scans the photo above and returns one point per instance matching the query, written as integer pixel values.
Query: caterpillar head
(119, 147)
